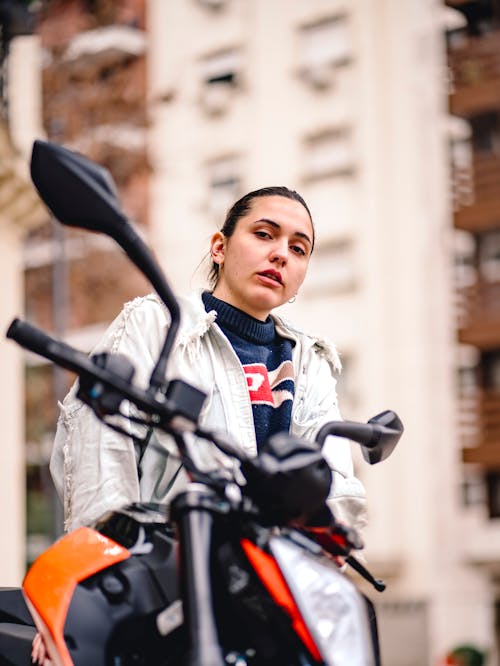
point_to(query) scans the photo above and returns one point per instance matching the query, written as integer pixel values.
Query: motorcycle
(242, 568)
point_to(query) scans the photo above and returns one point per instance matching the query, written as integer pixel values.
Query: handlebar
(98, 378)
(377, 438)
(363, 433)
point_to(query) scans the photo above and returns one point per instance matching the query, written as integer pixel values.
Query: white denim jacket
(96, 469)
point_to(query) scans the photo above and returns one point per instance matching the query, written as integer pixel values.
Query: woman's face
(264, 262)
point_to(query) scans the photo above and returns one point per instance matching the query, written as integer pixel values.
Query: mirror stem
(135, 248)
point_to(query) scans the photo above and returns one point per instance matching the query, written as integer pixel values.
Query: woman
(261, 375)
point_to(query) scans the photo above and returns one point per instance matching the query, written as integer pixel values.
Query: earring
(293, 299)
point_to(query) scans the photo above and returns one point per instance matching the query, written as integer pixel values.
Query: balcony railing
(479, 315)
(479, 421)
(476, 194)
(475, 74)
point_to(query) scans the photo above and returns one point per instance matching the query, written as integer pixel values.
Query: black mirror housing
(389, 428)
(78, 191)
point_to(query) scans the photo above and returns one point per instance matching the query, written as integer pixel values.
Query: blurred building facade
(191, 103)
(474, 62)
(93, 100)
(348, 103)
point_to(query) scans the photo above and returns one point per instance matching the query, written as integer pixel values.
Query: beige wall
(12, 472)
(19, 210)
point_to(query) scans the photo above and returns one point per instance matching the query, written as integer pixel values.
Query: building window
(224, 186)
(482, 16)
(213, 4)
(324, 46)
(333, 205)
(455, 26)
(489, 256)
(460, 151)
(467, 379)
(221, 77)
(461, 169)
(468, 396)
(491, 369)
(485, 132)
(493, 493)
(474, 492)
(328, 153)
(465, 269)
(332, 269)
(456, 38)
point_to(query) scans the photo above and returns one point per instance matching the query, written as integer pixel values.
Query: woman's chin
(264, 304)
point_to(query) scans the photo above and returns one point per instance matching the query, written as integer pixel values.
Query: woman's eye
(263, 234)
(298, 250)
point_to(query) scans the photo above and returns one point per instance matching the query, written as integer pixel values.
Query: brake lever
(339, 543)
(377, 583)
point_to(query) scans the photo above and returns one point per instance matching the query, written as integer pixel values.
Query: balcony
(476, 194)
(480, 428)
(474, 67)
(479, 315)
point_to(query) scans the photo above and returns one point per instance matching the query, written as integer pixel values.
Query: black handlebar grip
(32, 338)
(29, 336)
(363, 433)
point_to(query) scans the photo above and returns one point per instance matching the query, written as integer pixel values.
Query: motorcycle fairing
(50, 582)
(269, 573)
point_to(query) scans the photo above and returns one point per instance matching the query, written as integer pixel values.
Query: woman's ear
(218, 248)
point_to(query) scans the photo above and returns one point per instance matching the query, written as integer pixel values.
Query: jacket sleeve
(317, 405)
(94, 468)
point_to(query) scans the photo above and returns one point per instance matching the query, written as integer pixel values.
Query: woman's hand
(39, 652)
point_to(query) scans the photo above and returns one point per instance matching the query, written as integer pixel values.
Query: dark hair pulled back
(241, 207)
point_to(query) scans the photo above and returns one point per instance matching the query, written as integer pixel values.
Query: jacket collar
(196, 322)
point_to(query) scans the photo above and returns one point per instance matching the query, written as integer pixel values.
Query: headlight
(332, 608)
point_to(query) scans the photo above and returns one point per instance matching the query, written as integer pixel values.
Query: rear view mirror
(377, 438)
(78, 191)
(389, 427)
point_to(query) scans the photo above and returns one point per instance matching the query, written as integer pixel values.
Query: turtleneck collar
(235, 320)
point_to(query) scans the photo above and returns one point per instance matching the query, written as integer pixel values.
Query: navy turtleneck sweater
(266, 358)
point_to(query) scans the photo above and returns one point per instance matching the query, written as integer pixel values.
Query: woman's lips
(271, 277)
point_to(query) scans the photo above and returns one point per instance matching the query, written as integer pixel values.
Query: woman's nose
(279, 254)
